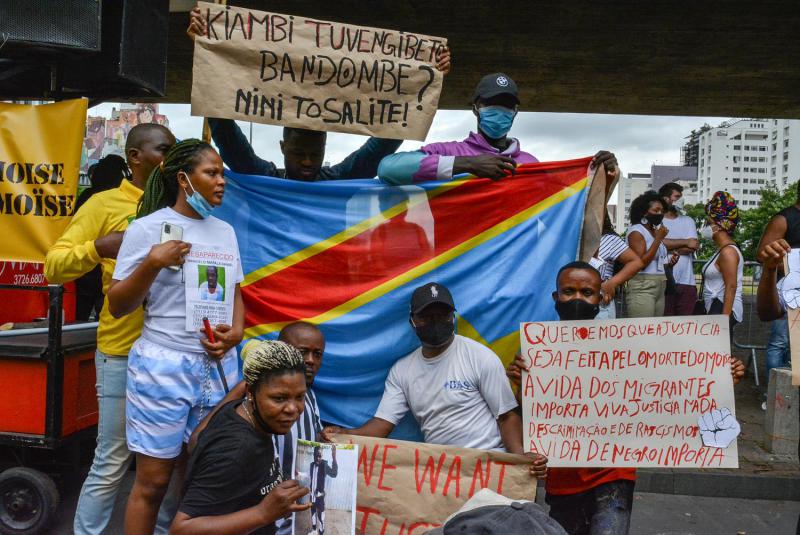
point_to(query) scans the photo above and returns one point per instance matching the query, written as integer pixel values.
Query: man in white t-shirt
(681, 240)
(210, 290)
(455, 387)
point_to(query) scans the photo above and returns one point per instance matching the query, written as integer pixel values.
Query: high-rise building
(628, 188)
(745, 155)
(690, 149)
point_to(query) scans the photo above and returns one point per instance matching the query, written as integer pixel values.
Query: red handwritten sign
(407, 488)
(626, 392)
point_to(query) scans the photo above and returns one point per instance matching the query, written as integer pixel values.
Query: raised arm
(771, 256)
(236, 151)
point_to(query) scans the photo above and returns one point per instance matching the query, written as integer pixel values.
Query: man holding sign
(303, 149)
(585, 499)
(454, 386)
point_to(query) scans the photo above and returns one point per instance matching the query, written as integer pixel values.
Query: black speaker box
(103, 50)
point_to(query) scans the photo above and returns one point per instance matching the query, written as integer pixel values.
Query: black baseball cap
(495, 84)
(433, 292)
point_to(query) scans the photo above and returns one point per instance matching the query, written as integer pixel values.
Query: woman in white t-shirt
(722, 274)
(173, 377)
(613, 249)
(645, 236)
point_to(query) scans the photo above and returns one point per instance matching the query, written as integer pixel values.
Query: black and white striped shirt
(611, 246)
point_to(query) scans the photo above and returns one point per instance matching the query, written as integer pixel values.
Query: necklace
(247, 412)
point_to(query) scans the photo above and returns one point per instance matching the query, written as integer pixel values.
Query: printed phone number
(28, 279)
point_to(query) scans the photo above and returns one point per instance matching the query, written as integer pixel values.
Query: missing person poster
(209, 274)
(301, 72)
(329, 470)
(635, 392)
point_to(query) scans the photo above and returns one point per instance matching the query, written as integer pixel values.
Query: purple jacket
(435, 161)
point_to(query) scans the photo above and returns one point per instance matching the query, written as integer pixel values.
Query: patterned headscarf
(721, 208)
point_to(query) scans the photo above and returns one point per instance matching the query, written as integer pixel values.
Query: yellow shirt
(74, 254)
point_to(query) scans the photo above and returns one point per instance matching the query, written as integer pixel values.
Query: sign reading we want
(307, 73)
(626, 392)
(407, 488)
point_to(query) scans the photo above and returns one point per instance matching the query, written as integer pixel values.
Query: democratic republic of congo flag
(347, 254)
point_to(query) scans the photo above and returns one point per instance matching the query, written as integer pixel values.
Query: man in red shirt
(588, 500)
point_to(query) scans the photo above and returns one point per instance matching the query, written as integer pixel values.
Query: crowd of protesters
(208, 461)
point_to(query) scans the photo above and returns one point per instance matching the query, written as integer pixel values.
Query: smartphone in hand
(171, 231)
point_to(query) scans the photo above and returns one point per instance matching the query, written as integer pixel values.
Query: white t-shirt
(656, 266)
(456, 397)
(681, 228)
(206, 295)
(165, 309)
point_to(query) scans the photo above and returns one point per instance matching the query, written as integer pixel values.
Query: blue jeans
(111, 456)
(602, 510)
(778, 354)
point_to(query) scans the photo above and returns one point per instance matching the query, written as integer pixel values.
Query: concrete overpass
(712, 57)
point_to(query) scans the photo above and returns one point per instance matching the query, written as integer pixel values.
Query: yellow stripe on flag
(346, 234)
(428, 266)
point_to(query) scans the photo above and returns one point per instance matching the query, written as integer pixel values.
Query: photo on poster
(211, 282)
(329, 470)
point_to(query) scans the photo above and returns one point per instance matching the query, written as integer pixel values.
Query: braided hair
(162, 186)
(265, 359)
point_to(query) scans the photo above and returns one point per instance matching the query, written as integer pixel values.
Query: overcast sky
(637, 140)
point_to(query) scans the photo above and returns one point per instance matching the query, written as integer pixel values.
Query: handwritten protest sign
(307, 73)
(408, 487)
(626, 392)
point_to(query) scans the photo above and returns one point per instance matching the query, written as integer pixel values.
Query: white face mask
(678, 205)
(707, 232)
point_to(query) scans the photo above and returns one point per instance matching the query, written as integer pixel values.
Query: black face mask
(436, 333)
(654, 219)
(576, 309)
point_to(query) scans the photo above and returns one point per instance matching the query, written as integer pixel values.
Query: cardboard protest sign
(319, 75)
(409, 487)
(39, 164)
(629, 392)
(790, 296)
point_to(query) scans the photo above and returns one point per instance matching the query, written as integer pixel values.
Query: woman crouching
(234, 483)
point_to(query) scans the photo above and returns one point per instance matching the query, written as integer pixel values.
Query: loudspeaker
(68, 24)
(103, 50)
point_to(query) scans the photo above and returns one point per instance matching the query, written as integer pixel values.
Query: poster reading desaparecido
(210, 273)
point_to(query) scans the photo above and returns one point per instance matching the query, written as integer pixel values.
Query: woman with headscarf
(722, 274)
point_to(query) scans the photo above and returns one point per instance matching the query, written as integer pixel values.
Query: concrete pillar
(782, 425)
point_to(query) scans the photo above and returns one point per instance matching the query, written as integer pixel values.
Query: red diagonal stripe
(326, 280)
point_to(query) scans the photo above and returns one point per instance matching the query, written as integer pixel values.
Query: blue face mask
(198, 203)
(495, 121)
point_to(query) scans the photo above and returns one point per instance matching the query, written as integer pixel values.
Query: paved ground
(653, 514)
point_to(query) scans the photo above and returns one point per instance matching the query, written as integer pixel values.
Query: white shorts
(168, 393)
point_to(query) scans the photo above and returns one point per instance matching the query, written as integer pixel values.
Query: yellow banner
(40, 153)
